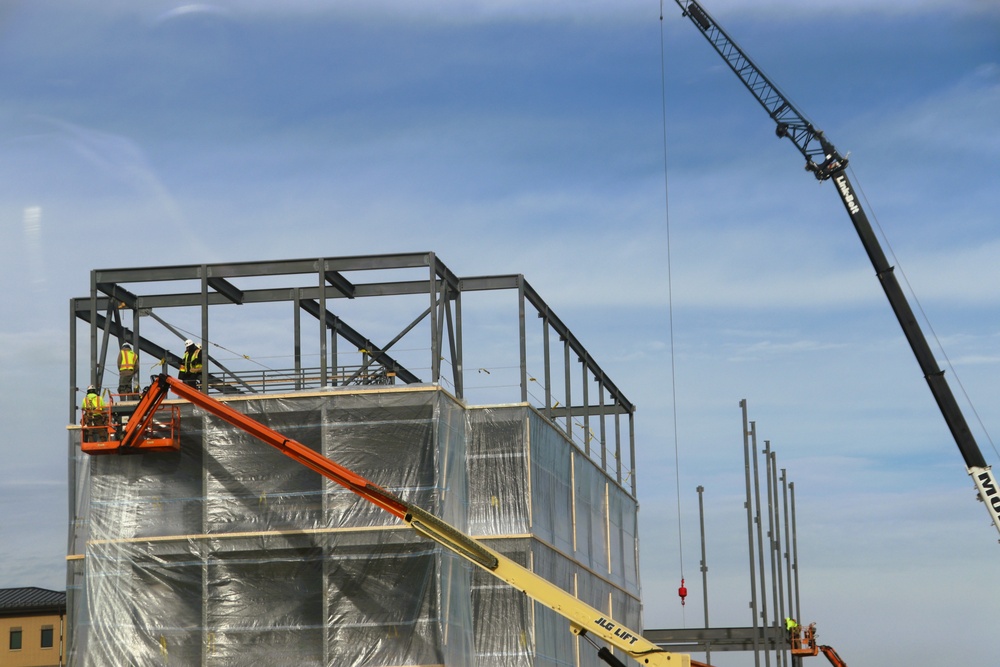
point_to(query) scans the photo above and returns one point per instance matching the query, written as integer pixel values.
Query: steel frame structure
(315, 286)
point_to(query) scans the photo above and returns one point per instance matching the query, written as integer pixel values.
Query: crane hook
(682, 591)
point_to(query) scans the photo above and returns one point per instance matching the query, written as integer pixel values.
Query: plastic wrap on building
(546, 505)
(229, 553)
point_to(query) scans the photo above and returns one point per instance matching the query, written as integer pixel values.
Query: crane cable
(681, 591)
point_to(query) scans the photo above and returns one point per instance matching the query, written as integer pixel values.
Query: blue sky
(521, 137)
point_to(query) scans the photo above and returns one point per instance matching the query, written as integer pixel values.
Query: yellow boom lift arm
(584, 620)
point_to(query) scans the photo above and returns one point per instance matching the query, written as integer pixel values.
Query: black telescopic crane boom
(823, 160)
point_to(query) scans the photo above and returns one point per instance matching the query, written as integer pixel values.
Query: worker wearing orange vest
(190, 370)
(127, 360)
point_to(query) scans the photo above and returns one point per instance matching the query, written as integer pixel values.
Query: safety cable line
(670, 297)
(190, 334)
(923, 315)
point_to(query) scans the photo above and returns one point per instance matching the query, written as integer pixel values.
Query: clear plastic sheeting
(229, 553)
(536, 498)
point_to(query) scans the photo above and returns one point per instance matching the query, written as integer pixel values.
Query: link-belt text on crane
(848, 196)
(618, 631)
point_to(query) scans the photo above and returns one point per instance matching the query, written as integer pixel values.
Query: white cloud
(193, 9)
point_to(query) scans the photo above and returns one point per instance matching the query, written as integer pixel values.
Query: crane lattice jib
(821, 156)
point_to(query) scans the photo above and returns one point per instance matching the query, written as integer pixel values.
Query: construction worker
(793, 631)
(190, 370)
(127, 359)
(93, 415)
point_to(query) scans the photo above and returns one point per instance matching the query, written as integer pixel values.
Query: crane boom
(823, 160)
(584, 620)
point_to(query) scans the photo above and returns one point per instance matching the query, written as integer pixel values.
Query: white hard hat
(126, 344)
(188, 343)
(91, 389)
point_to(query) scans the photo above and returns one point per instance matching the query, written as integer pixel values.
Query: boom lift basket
(97, 429)
(158, 432)
(804, 641)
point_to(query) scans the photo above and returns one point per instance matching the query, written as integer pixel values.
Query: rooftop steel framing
(568, 401)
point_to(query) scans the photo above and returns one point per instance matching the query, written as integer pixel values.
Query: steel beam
(356, 338)
(226, 289)
(689, 640)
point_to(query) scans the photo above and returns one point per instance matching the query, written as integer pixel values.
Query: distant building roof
(30, 599)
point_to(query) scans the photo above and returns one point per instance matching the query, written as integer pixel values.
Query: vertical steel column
(569, 393)
(777, 595)
(604, 439)
(780, 605)
(334, 354)
(444, 316)
(72, 366)
(795, 552)
(748, 504)
(204, 328)
(522, 338)
(297, 336)
(704, 568)
(321, 271)
(93, 329)
(435, 336)
(631, 447)
(137, 378)
(760, 536)
(586, 404)
(788, 537)
(452, 349)
(618, 445)
(459, 360)
(545, 364)
(365, 360)
(770, 536)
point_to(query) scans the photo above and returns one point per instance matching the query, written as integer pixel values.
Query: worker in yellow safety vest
(792, 626)
(127, 360)
(190, 370)
(93, 415)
